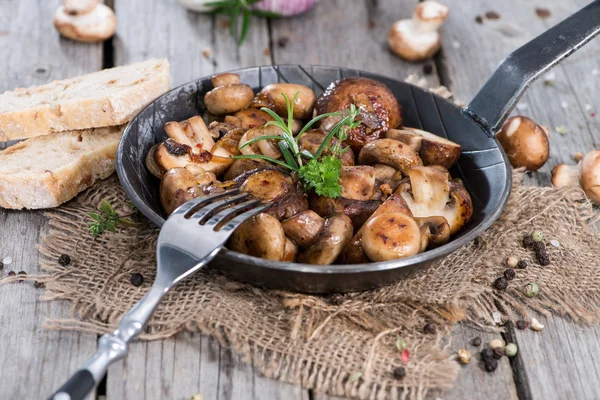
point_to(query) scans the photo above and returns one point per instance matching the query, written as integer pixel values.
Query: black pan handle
(496, 99)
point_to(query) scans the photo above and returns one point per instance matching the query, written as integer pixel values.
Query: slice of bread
(46, 171)
(104, 98)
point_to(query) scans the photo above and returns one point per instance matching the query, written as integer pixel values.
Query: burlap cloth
(341, 349)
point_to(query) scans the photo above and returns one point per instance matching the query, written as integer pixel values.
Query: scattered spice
(512, 261)
(578, 156)
(371, 24)
(522, 264)
(531, 290)
(7, 260)
(492, 15)
(541, 253)
(491, 365)
(399, 372)
(486, 354)
(21, 273)
(429, 329)
(283, 41)
(501, 283)
(38, 285)
(498, 352)
(11, 273)
(495, 343)
(336, 299)
(555, 243)
(522, 324)
(64, 260)
(510, 350)
(137, 279)
(464, 357)
(401, 344)
(535, 325)
(537, 236)
(1, 265)
(267, 52)
(427, 69)
(528, 241)
(476, 341)
(354, 377)
(561, 130)
(510, 274)
(479, 19)
(543, 13)
(207, 53)
(405, 356)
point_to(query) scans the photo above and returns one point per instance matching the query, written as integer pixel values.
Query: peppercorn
(522, 324)
(64, 260)
(464, 357)
(429, 328)
(491, 365)
(427, 69)
(11, 273)
(486, 354)
(494, 343)
(528, 241)
(532, 289)
(522, 264)
(541, 253)
(510, 274)
(510, 350)
(476, 341)
(501, 283)
(479, 19)
(336, 299)
(399, 372)
(498, 352)
(136, 279)
(38, 285)
(22, 273)
(537, 236)
(512, 261)
(1, 265)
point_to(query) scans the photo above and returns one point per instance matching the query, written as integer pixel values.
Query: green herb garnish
(236, 9)
(320, 173)
(109, 219)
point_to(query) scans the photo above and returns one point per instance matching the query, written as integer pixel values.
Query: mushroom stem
(564, 175)
(589, 178)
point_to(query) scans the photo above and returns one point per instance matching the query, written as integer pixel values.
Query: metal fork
(188, 240)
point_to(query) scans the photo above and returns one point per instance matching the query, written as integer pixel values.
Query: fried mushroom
(304, 228)
(357, 182)
(433, 149)
(260, 236)
(228, 99)
(389, 152)
(312, 140)
(337, 232)
(180, 185)
(303, 106)
(390, 236)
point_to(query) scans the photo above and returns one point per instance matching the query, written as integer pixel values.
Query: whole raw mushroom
(525, 143)
(85, 21)
(587, 175)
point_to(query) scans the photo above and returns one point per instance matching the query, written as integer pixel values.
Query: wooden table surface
(561, 362)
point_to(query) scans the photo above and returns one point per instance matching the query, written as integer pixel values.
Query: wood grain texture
(34, 362)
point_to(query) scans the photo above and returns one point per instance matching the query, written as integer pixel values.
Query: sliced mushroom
(219, 129)
(389, 152)
(380, 110)
(260, 236)
(435, 231)
(433, 149)
(336, 233)
(230, 142)
(305, 101)
(180, 185)
(354, 252)
(228, 99)
(358, 211)
(249, 118)
(192, 132)
(268, 185)
(312, 140)
(427, 194)
(97, 24)
(390, 236)
(357, 182)
(266, 147)
(291, 250)
(304, 228)
(243, 165)
(151, 163)
(227, 78)
(384, 173)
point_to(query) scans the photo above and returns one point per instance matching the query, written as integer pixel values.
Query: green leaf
(287, 155)
(316, 119)
(233, 20)
(265, 14)
(322, 176)
(401, 344)
(354, 377)
(107, 208)
(331, 134)
(245, 26)
(306, 154)
(273, 114)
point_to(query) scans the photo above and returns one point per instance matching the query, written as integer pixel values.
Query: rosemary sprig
(109, 219)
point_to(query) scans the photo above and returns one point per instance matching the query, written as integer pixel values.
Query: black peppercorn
(1, 265)
(11, 273)
(22, 273)
(479, 19)
(283, 41)
(522, 264)
(528, 241)
(476, 341)
(541, 253)
(38, 285)
(336, 299)
(486, 354)
(429, 328)
(490, 365)
(501, 283)
(498, 352)
(399, 372)
(136, 279)
(522, 324)
(64, 260)
(427, 69)
(510, 274)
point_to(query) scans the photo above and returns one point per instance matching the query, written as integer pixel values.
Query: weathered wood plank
(557, 361)
(33, 361)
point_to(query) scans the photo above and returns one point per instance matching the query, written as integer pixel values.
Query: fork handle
(112, 347)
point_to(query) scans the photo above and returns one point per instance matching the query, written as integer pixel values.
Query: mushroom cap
(407, 42)
(433, 149)
(268, 185)
(96, 25)
(389, 152)
(228, 99)
(525, 143)
(78, 7)
(250, 118)
(303, 107)
(180, 185)
(337, 232)
(589, 177)
(357, 182)
(435, 231)
(304, 228)
(390, 236)
(564, 175)
(260, 236)
(266, 147)
(226, 78)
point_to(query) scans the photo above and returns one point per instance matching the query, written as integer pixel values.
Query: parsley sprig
(108, 219)
(319, 173)
(237, 9)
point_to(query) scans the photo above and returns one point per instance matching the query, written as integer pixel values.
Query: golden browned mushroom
(389, 152)
(179, 185)
(390, 236)
(291, 250)
(312, 140)
(227, 78)
(242, 165)
(433, 149)
(303, 107)
(260, 236)
(268, 185)
(357, 210)
(304, 228)
(380, 110)
(97, 23)
(525, 143)
(249, 118)
(435, 231)
(357, 182)
(336, 233)
(384, 173)
(417, 39)
(266, 147)
(228, 99)
(430, 193)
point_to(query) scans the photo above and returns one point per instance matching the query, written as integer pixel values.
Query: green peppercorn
(491, 365)
(532, 289)
(537, 236)
(510, 350)
(399, 372)
(476, 341)
(501, 283)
